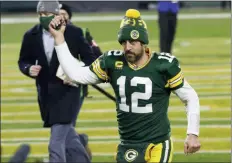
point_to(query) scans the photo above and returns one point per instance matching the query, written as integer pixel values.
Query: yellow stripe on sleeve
(98, 71)
(175, 81)
(99, 68)
(179, 82)
(175, 77)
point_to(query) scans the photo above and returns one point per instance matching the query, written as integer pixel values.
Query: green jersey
(142, 94)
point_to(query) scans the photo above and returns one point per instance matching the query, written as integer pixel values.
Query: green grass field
(203, 49)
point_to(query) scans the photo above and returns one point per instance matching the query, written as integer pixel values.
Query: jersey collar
(135, 67)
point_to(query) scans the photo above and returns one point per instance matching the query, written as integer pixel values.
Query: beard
(133, 57)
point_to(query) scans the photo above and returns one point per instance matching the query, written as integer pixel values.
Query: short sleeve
(174, 75)
(99, 67)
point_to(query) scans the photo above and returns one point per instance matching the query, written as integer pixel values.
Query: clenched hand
(192, 144)
(58, 34)
(34, 70)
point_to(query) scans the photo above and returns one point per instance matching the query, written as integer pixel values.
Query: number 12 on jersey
(121, 81)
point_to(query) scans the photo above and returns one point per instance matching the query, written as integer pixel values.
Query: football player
(142, 82)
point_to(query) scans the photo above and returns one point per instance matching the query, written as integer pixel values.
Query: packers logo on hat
(134, 34)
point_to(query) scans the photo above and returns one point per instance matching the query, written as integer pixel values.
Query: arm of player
(190, 98)
(73, 68)
(186, 93)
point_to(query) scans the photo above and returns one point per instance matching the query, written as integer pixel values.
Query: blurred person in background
(223, 4)
(66, 11)
(21, 154)
(167, 21)
(58, 101)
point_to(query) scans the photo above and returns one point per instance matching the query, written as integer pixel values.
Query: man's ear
(147, 50)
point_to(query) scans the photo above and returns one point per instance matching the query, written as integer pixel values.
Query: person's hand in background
(34, 70)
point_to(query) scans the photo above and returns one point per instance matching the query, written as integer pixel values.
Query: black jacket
(57, 102)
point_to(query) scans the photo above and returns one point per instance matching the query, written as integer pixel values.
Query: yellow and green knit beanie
(132, 27)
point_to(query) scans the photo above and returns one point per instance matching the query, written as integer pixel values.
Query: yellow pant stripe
(115, 155)
(166, 151)
(171, 151)
(148, 151)
(156, 153)
(161, 152)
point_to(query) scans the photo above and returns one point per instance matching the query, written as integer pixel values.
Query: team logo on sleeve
(130, 155)
(134, 34)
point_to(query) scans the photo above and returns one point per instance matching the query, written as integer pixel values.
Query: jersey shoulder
(107, 61)
(111, 57)
(114, 54)
(169, 66)
(165, 61)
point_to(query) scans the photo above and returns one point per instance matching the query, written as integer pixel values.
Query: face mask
(45, 21)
